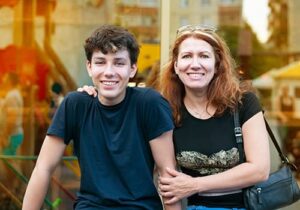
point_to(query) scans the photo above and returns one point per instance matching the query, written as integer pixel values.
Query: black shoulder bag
(281, 189)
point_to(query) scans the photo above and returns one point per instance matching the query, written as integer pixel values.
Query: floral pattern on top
(207, 165)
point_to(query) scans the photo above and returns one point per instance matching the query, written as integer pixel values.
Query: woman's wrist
(197, 186)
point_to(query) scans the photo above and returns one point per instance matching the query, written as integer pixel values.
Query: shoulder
(249, 97)
(76, 98)
(147, 99)
(144, 92)
(250, 106)
(146, 95)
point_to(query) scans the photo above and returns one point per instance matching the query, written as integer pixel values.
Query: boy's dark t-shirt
(112, 146)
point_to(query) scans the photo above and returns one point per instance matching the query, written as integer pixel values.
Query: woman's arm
(254, 170)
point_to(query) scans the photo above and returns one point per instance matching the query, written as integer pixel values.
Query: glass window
(42, 43)
(184, 21)
(205, 2)
(184, 3)
(227, 1)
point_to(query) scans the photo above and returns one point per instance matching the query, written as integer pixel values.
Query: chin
(109, 96)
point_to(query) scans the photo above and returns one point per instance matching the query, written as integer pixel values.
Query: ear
(133, 70)
(89, 67)
(175, 67)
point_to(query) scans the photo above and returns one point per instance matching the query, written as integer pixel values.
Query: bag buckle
(238, 131)
(285, 160)
(238, 134)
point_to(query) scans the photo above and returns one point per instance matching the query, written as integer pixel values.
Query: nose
(109, 71)
(195, 63)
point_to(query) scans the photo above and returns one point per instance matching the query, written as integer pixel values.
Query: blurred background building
(42, 41)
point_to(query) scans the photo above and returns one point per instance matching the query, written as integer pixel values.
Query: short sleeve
(250, 106)
(157, 115)
(63, 122)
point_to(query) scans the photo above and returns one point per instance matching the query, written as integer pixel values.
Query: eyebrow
(120, 58)
(97, 58)
(204, 51)
(115, 59)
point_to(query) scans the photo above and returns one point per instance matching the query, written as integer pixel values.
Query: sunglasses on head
(201, 29)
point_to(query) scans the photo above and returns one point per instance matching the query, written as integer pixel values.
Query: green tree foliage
(278, 24)
(262, 58)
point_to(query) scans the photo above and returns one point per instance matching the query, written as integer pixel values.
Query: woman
(200, 83)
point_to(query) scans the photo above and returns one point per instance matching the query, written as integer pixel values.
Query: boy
(117, 136)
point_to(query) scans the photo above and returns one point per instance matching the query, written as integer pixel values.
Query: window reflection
(42, 41)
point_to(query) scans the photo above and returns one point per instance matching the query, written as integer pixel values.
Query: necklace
(196, 113)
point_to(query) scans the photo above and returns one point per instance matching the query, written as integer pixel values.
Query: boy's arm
(163, 152)
(49, 157)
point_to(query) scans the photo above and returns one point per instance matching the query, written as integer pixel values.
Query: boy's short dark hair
(110, 39)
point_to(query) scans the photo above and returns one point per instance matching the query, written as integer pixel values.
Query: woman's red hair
(224, 91)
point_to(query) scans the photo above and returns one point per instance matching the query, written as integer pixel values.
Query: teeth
(109, 83)
(196, 75)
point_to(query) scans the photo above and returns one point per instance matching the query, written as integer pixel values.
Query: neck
(196, 100)
(198, 106)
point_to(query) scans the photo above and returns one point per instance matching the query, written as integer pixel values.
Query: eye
(204, 56)
(186, 56)
(120, 63)
(99, 62)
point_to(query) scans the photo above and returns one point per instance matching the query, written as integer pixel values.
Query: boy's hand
(91, 90)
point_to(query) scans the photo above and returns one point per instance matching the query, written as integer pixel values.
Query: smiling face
(110, 74)
(195, 65)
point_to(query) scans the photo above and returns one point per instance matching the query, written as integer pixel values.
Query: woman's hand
(91, 90)
(176, 187)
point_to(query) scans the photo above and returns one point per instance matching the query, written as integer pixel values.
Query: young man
(117, 136)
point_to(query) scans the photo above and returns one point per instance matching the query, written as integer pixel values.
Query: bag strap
(239, 136)
(239, 140)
